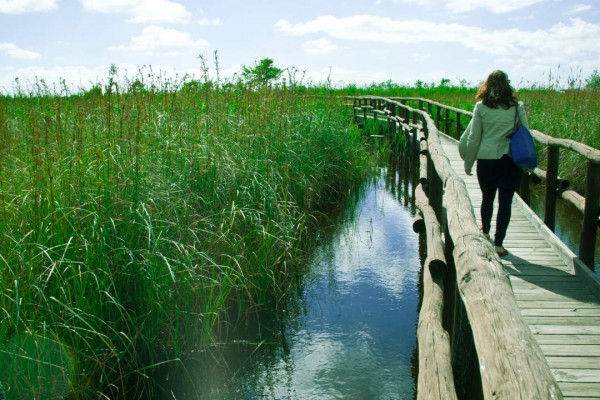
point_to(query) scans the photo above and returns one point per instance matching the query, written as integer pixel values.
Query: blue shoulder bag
(522, 146)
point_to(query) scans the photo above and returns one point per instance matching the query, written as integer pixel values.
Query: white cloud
(210, 21)
(26, 6)
(13, 51)
(158, 38)
(420, 56)
(460, 6)
(573, 39)
(495, 6)
(319, 46)
(564, 43)
(577, 9)
(142, 11)
(368, 28)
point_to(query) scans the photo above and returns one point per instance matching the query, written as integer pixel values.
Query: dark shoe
(501, 250)
(485, 235)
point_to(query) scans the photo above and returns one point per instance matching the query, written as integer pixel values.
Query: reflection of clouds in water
(334, 366)
(358, 328)
(380, 247)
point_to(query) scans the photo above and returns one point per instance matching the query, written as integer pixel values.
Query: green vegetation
(136, 215)
(262, 74)
(139, 214)
(570, 113)
(593, 82)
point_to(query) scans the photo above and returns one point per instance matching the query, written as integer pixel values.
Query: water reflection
(351, 333)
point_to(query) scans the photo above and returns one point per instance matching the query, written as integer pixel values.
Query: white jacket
(486, 136)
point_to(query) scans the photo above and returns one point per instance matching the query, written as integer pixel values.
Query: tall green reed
(136, 214)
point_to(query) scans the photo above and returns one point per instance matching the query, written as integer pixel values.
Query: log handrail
(590, 153)
(589, 206)
(435, 353)
(512, 364)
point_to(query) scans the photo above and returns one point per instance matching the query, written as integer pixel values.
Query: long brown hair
(496, 91)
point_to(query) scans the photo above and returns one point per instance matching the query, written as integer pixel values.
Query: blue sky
(356, 41)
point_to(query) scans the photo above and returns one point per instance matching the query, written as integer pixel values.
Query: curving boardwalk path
(559, 301)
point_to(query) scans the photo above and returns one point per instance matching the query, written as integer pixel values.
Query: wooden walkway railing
(454, 121)
(513, 358)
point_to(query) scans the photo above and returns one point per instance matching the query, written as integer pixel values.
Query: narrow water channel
(349, 332)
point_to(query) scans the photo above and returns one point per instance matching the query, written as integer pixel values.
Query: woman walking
(487, 142)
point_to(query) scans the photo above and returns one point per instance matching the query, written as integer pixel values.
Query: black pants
(504, 177)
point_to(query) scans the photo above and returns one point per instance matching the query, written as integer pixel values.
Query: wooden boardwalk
(559, 302)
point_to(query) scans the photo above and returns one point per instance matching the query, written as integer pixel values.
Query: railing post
(525, 191)
(551, 181)
(438, 116)
(415, 143)
(589, 231)
(457, 125)
(447, 122)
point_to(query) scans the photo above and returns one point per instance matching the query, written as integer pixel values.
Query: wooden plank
(561, 312)
(548, 279)
(564, 293)
(519, 240)
(551, 287)
(580, 398)
(577, 375)
(580, 350)
(575, 321)
(562, 288)
(574, 362)
(532, 270)
(549, 265)
(587, 390)
(567, 339)
(550, 296)
(560, 329)
(533, 293)
(556, 304)
(535, 258)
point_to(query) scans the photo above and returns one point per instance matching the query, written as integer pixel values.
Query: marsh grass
(136, 214)
(570, 113)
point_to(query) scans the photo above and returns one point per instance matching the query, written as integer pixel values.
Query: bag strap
(516, 122)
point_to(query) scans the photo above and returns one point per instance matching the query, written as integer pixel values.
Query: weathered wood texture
(550, 346)
(561, 309)
(512, 365)
(435, 380)
(588, 207)
(435, 245)
(586, 151)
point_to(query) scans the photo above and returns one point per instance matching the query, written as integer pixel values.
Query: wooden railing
(453, 121)
(509, 361)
